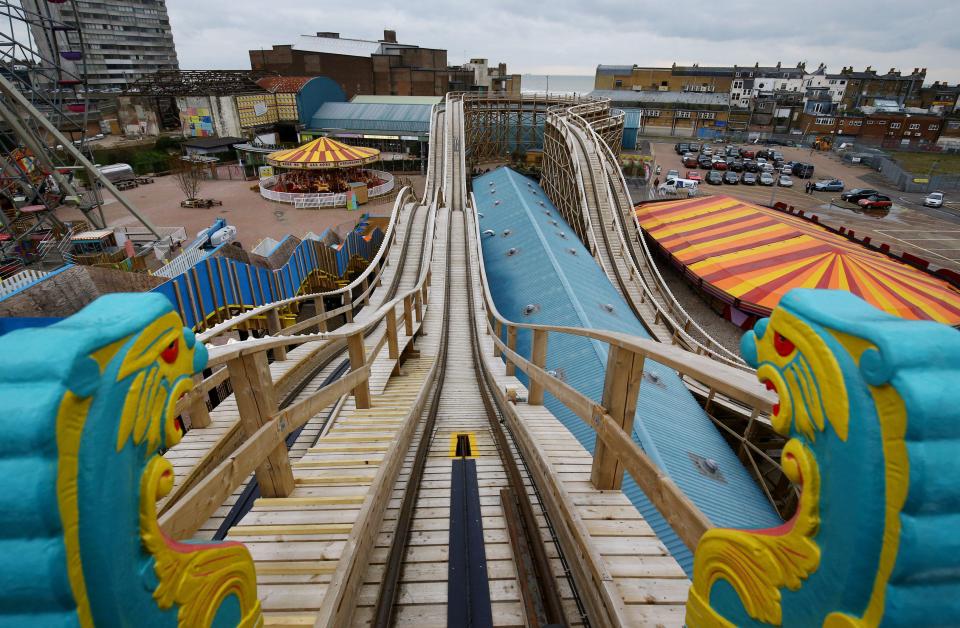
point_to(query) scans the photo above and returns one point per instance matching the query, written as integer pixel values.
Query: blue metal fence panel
(539, 272)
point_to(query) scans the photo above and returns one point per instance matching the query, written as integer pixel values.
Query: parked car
(736, 165)
(764, 154)
(673, 185)
(704, 162)
(733, 151)
(766, 179)
(706, 150)
(690, 161)
(934, 199)
(750, 166)
(856, 194)
(802, 170)
(715, 177)
(748, 178)
(694, 175)
(694, 148)
(786, 169)
(875, 201)
(748, 153)
(731, 178)
(720, 164)
(768, 168)
(681, 148)
(673, 174)
(761, 161)
(776, 155)
(829, 185)
(785, 181)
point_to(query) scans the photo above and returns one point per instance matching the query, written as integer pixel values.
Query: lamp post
(930, 175)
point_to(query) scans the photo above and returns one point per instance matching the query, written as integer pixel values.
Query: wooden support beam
(344, 302)
(408, 315)
(512, 345)
(392, 341)
(499, 334)
(320, 308)
(257, 402)
(538, 355)
(358, 357)
(197, 410)
(273, 328)
(621, 387)
(418, 305)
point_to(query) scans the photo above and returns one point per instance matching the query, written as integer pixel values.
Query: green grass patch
(921, 163)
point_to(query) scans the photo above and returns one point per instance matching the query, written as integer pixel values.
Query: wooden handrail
(373, 266)
(683, 515)
(206, 494)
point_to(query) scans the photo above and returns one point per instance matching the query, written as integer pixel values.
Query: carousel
(325, 173)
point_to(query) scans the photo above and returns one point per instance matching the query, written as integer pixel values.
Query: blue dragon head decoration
(88, 403)
(868, 402)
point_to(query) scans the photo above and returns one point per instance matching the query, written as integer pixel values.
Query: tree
(188, 176)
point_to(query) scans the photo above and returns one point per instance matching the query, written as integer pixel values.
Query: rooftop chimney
(778, 65)
(390, 36)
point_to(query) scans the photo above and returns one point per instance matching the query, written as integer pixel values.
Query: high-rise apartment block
(123, 39)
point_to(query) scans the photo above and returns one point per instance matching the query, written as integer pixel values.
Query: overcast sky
(572, 37)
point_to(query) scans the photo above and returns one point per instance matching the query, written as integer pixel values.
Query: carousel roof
(323, 153)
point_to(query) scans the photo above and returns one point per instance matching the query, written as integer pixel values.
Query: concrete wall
(67, 292)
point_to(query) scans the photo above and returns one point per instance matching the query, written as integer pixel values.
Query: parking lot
(933, 234)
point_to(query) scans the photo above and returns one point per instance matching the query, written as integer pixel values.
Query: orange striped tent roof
(323, 153)
(757, 255)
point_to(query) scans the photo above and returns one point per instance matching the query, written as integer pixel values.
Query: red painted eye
(783, 346)
(169, 354)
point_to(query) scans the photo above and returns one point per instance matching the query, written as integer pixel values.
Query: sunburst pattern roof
(323, 153)
(756, 255)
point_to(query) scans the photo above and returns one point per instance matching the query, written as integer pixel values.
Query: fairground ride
(45, 117)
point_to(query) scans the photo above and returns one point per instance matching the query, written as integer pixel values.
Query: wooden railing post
(512, 344)
(621, 386)
(197, 411)
(393, 346)
(418, 305)
(408, 315)
(358, 357)
(320, 308)
(538, 355)
(343, 301)
(257, 402)
(273, 328)
(498, 328)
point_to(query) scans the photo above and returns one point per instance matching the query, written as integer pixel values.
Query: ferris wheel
(46, 119)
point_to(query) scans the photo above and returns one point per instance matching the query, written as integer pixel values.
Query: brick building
(863, 88)
(360, 66)
(888, 129)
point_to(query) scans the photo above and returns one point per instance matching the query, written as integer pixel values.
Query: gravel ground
(722, 330)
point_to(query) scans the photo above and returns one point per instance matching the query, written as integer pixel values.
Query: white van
(672, 186)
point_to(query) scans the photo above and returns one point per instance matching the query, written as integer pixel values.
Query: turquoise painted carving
(871, 404)
(86, 405)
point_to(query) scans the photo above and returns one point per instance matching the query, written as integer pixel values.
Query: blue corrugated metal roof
(631, 118)
(550, 269)
(372, 116)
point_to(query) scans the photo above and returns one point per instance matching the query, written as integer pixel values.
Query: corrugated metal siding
(369, 116)
(551, 270)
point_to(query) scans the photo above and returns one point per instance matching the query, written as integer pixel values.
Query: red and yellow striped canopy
(323, 153)
(756, 255)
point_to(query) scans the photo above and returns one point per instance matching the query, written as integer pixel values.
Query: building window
(825, 121)
(869, 122)
(933, 127)
(913, 127)
(651, 113)
(953, 125)
(783, 86)
(683, 114)
(707, 115)
(894, 125)
(618, 83)
(856, 123)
